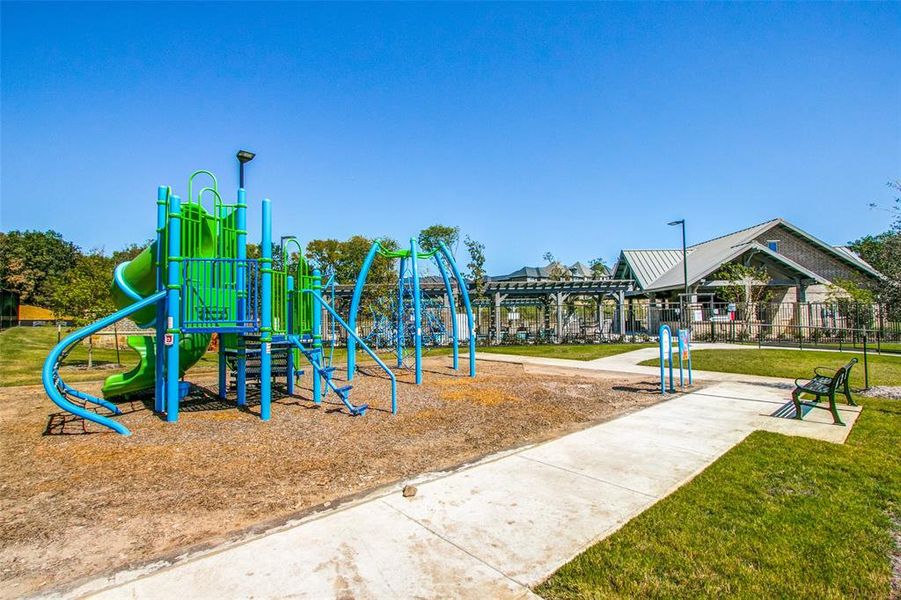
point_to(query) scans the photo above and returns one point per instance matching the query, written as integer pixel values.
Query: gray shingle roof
(578, 268)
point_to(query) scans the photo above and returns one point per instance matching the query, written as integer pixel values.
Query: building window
(773, 245)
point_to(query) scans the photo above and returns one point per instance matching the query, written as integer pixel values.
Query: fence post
(866, 366)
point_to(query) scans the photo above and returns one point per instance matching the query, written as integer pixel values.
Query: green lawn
(884, 369)
(23, 350)
(571, 351)
(776, 517)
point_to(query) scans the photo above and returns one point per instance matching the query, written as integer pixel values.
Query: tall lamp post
(244, 157)
(684, 256)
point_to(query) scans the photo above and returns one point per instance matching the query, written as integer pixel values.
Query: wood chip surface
(77, 500)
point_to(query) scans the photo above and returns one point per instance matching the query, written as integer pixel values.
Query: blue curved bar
(354, 307)
(50, 376)
(352, 334)
(453, 309)
(464, 292)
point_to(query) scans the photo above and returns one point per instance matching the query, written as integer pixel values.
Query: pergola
(524, 293)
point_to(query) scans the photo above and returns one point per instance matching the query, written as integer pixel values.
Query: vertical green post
(159, 390)
(289, 329)
(241, 294)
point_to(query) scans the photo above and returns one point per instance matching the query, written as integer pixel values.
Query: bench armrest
(830, 372)
(801, 383)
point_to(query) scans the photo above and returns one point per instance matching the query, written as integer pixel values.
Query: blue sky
(577, 129)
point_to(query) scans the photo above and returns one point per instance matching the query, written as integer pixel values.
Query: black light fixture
(244, 157)
(684, 256)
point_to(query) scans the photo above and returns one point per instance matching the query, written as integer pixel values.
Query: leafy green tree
(30, 261)
(476, 266)
(325, 254)
(883, 252)
(746, 287)
(430, 237)
(346, 258)
(557, 271)
(599, 268)
(82, 292)
(129, 252)
(853, 302)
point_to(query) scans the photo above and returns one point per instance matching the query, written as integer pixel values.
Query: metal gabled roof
(855, 257)
(703, 264)
(706, 257)
(648, 265)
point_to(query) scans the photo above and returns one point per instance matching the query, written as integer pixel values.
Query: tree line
(46, 270)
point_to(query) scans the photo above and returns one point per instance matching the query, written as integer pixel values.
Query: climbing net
(394, 322)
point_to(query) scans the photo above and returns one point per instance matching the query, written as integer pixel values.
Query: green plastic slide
(136, 279)
(192, 348)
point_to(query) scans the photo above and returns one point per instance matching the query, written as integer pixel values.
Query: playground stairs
(279, 352)
(314, 355)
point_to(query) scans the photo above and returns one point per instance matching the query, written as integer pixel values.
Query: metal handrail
(362, 344)
(53, 382)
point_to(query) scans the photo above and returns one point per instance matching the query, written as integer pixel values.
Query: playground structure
(415, 318)
(195, 280)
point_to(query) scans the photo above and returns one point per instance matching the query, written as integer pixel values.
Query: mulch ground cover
(77, 500)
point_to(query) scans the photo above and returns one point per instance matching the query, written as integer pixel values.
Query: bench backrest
(841, 376)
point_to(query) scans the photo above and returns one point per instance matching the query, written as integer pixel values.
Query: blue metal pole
(317, 336)
(672, 384)
(400, 326)
(289, 285)
(688, 341)
(241, 295)
(266, 312)
(417, 317)
(355, 307)
(159, 387)
(662, 364)
(681, 373)
(453, 309)
(464, 293)
(173, 308)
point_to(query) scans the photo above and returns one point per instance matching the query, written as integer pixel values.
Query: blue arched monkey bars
(440, 255)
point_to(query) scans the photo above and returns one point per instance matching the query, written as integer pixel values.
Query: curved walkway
(496, 528)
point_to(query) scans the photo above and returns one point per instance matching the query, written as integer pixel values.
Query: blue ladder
(343, 392)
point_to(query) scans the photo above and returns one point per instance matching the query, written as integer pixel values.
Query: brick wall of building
(809, 255)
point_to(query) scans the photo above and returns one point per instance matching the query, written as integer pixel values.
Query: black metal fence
(589, 321)
(797, 324)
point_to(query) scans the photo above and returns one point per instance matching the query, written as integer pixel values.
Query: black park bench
(825, 383)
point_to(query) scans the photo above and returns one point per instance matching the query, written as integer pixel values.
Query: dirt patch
(77, 501)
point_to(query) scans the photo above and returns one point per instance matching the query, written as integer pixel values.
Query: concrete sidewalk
(628, 363)
(490, 530)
